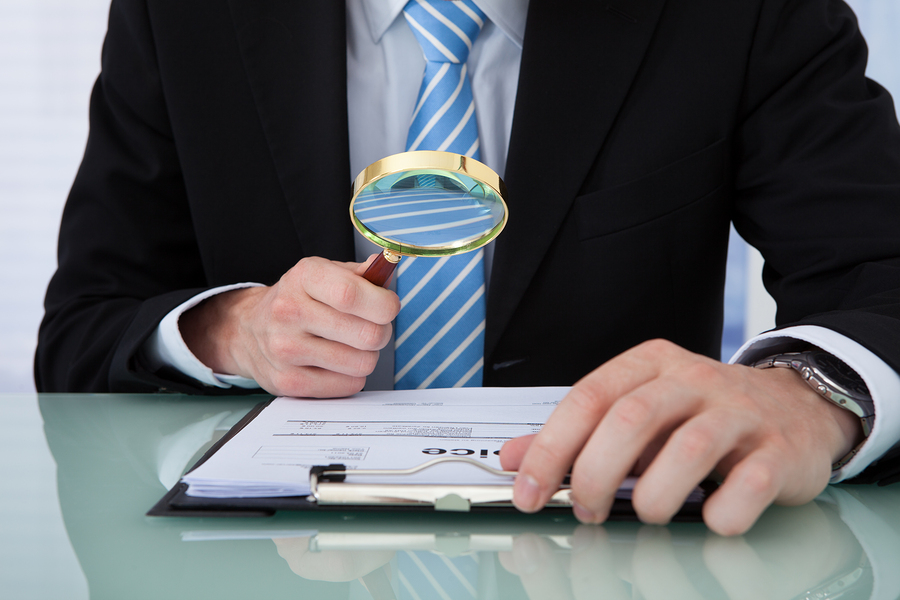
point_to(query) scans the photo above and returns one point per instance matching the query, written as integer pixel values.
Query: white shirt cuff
(166, 348)
(882, 381)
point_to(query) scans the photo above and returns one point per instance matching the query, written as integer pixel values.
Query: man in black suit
(219, 154)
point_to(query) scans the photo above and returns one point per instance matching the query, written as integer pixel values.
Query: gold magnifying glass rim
(428, 160)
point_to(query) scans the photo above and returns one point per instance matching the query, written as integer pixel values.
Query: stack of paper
(272, 455)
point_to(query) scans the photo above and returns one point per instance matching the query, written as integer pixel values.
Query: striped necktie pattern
(440, 329)
(427, 575)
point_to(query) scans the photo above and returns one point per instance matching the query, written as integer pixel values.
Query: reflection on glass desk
(117, 454)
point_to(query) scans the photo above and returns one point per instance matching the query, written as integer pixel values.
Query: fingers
(689, 455)
(751, 486)
(629, 426)
(513, 451)
(327, 300)
(674, 417)
(770, 473)
(292, 361)
(323, 329)
(361, 268)
(567, 430)
(316, 333)
(307, 382)
(330, 324)
(338, 287)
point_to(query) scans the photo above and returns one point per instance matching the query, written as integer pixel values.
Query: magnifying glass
(426, 203)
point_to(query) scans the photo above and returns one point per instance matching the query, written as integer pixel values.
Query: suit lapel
(294, 54)
(578, 61)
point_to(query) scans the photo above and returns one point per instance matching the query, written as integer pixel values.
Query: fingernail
(526, 493)
(583, 514)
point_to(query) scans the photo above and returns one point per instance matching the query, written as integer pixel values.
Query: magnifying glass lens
(429, 212)
(427, 203)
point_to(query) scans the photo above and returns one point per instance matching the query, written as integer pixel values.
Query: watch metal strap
(791, 361)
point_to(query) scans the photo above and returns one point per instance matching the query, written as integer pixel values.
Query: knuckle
(386, 309)
(393, 307)
(544, 458)
(546, 452)
(372, 336)
(758, 478)
(631, 412)
(281, 308)
(306, 268)
(339, 386)
(305, 382)
(299, 268)
(290, 383)
(585, 488)
(345, 295)
(694, 444)
(584, 400)
(656, 347)
(701, 371)
(282, 347)
(366, 364)
(354, 385)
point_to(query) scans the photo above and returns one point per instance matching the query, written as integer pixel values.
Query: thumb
(360, 268)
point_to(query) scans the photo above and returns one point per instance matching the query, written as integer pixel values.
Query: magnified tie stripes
(440, 328)
(429, 215)
(425, 575)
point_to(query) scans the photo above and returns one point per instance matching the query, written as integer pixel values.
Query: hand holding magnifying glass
(426, 203)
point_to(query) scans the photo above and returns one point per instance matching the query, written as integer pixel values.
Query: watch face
(839, 372)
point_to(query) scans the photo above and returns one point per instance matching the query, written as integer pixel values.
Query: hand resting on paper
(315, 333)
(673, 417)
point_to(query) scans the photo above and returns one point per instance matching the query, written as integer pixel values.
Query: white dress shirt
(384, 70)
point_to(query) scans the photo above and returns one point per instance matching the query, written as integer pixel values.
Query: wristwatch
(834, 380)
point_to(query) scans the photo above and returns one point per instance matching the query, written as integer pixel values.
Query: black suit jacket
(218, 153)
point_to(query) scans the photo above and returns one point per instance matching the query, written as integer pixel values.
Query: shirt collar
(508, 15)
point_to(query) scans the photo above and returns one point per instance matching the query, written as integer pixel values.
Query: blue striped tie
(425, 575)
(440, 328)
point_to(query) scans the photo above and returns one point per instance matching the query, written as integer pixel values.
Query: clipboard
(330, 491)
(329, 487)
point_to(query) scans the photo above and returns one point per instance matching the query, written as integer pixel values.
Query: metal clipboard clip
(328, 488)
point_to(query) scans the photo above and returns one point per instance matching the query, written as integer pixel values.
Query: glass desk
(78, 472)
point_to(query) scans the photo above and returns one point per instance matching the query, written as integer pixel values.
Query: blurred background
(49, 58)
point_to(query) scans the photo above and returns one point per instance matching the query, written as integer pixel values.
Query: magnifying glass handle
(379, 272)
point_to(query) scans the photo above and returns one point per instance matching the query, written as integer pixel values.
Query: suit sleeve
(127, 252)
(818, 180)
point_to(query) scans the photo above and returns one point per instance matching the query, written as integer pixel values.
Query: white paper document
(272, 455)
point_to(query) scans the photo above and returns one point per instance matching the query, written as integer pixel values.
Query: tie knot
(446, 29)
